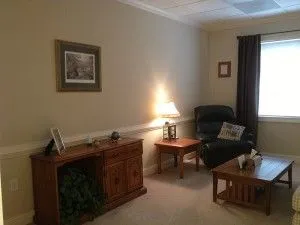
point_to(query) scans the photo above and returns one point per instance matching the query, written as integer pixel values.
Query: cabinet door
(115, 180)
(134, 173)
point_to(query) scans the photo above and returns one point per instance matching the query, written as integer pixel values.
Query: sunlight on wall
(160, 95)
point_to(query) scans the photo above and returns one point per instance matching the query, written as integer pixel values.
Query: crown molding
(215, 26)
(8, 152)
(224, 25)
(160, 12)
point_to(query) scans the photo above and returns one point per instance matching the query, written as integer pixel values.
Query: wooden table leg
(158, 160)
(181, 154)
(268, 198)
(215, 187)
(175, 160)
(197, 159)
(228, 189)
(290, 172)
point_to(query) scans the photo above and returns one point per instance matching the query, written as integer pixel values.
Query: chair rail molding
(22, 150)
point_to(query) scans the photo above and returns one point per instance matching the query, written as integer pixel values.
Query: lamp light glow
(168, 110)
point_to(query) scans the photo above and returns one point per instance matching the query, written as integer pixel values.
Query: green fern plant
(79, 194)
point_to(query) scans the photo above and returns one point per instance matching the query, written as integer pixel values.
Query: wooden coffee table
(176, 147)
(241, 185)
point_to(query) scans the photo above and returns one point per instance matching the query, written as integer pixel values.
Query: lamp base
(169, 131)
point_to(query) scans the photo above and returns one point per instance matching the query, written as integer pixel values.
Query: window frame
(277, 38)
(279, 119)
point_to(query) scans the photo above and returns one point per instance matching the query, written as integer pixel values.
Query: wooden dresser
(118, 167)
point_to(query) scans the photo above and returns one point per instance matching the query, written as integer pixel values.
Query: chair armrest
(248, 137)
(216, 153)
(206, 138)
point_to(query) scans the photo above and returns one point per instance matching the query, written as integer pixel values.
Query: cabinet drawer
(125, 152)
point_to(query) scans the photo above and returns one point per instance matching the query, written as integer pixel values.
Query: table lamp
(168, 110)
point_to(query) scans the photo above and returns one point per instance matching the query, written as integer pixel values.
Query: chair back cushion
(210, 118)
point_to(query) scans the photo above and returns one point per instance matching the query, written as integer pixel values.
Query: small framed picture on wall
(224, 69)
(60, 146)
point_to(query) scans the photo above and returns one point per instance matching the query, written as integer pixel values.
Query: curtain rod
(280, 32)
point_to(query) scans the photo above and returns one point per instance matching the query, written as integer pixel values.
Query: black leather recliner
(209, 120)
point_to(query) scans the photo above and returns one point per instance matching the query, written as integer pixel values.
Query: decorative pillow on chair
(231, 132)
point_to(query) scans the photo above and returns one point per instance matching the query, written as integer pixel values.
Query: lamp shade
(168, 110)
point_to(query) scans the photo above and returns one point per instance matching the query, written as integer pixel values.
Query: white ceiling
(209, 12)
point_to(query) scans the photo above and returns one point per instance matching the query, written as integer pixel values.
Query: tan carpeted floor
(172, 201)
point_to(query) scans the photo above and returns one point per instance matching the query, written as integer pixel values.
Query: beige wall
(141, 52)
(280, 138)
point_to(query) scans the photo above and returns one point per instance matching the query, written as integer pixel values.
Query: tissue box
(253, 162)
(257, 160)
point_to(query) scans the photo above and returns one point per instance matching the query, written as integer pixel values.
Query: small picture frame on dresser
(60, 146)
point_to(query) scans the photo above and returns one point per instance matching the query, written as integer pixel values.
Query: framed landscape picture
(78, 66)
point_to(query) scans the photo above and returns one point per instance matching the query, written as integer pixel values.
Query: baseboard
(27, 218)
(296, 158)
(22, 219)
(190, 155)
(153, 169)
(166, 164)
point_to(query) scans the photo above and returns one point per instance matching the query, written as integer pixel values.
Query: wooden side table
(176, 147)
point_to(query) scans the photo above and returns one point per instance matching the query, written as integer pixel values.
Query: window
(280, 77)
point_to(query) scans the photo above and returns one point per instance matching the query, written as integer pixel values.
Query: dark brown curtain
(248, 82)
